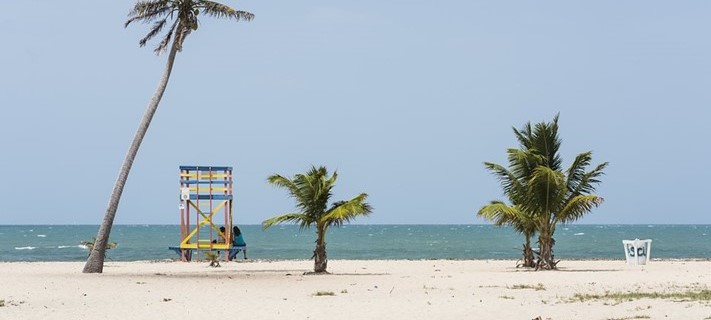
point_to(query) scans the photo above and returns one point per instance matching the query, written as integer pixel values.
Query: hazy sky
(406, 99)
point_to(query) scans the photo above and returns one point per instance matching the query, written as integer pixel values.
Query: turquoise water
(148, 242)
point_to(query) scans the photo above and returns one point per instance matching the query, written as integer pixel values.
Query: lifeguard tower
(206, 195)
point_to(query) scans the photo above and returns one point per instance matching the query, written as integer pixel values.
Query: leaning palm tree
(312, 192)
(181, 18)
(542, 189)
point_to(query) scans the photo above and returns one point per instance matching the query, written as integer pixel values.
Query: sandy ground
(399, 289)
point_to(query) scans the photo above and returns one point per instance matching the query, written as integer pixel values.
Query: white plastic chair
(637, 252)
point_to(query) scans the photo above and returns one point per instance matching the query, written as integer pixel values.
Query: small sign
(184, 194)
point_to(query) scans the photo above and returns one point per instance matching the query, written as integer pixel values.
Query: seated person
(221, 236)
(238, 240)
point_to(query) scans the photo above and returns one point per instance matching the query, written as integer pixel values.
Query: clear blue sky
(406, 99)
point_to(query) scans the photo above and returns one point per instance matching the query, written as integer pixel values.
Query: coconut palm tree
(181, 18)
(562, 197)
(539, 186)
(502, 214)
(514, 181)
(312, 192)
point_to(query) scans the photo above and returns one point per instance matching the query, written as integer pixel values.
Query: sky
(404, 98)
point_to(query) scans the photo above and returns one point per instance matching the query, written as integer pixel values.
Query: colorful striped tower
(205, 206)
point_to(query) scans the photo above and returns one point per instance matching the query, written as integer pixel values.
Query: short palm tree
(514, 181)
(312, 191)
(502, 214)
(181, 18)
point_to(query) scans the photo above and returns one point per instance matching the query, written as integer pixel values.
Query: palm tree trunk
(528, 253)
(320, 259)
(95, 263)
(545, 241)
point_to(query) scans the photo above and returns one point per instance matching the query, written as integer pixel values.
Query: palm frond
(184, 12)
(286, 183)
(577, 170)
(148, 11)
(218, 10)
(345, 211)
(583, 183)
(546, 190)
(163, 45)
(524, 136)
(498, 212)
(509, 182)
(147, 6)
(157, 27)
(592, 176)
(315, 187)
(300, 218)
(546, 142)
(503, 214)
(578, 206)
(523, 162)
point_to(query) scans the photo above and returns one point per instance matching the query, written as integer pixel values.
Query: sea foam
(25, 248)
(77, 246)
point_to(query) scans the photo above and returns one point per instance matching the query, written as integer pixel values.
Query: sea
(415, 242)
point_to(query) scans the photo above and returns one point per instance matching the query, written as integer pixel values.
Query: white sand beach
(423, 289)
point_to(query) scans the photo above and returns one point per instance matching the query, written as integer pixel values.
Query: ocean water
(149, 242)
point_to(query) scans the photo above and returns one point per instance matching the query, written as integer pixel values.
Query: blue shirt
(239, 241)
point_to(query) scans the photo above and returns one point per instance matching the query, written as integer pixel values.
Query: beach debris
(4, 303)
(89, 244)
(167, 299)
(537, 287)
(324, 293)
(214, 259)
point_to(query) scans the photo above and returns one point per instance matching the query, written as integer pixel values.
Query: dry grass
(537, 287)
(703, 295)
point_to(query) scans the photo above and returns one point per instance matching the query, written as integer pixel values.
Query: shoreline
(622, 260)
(355, 289)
